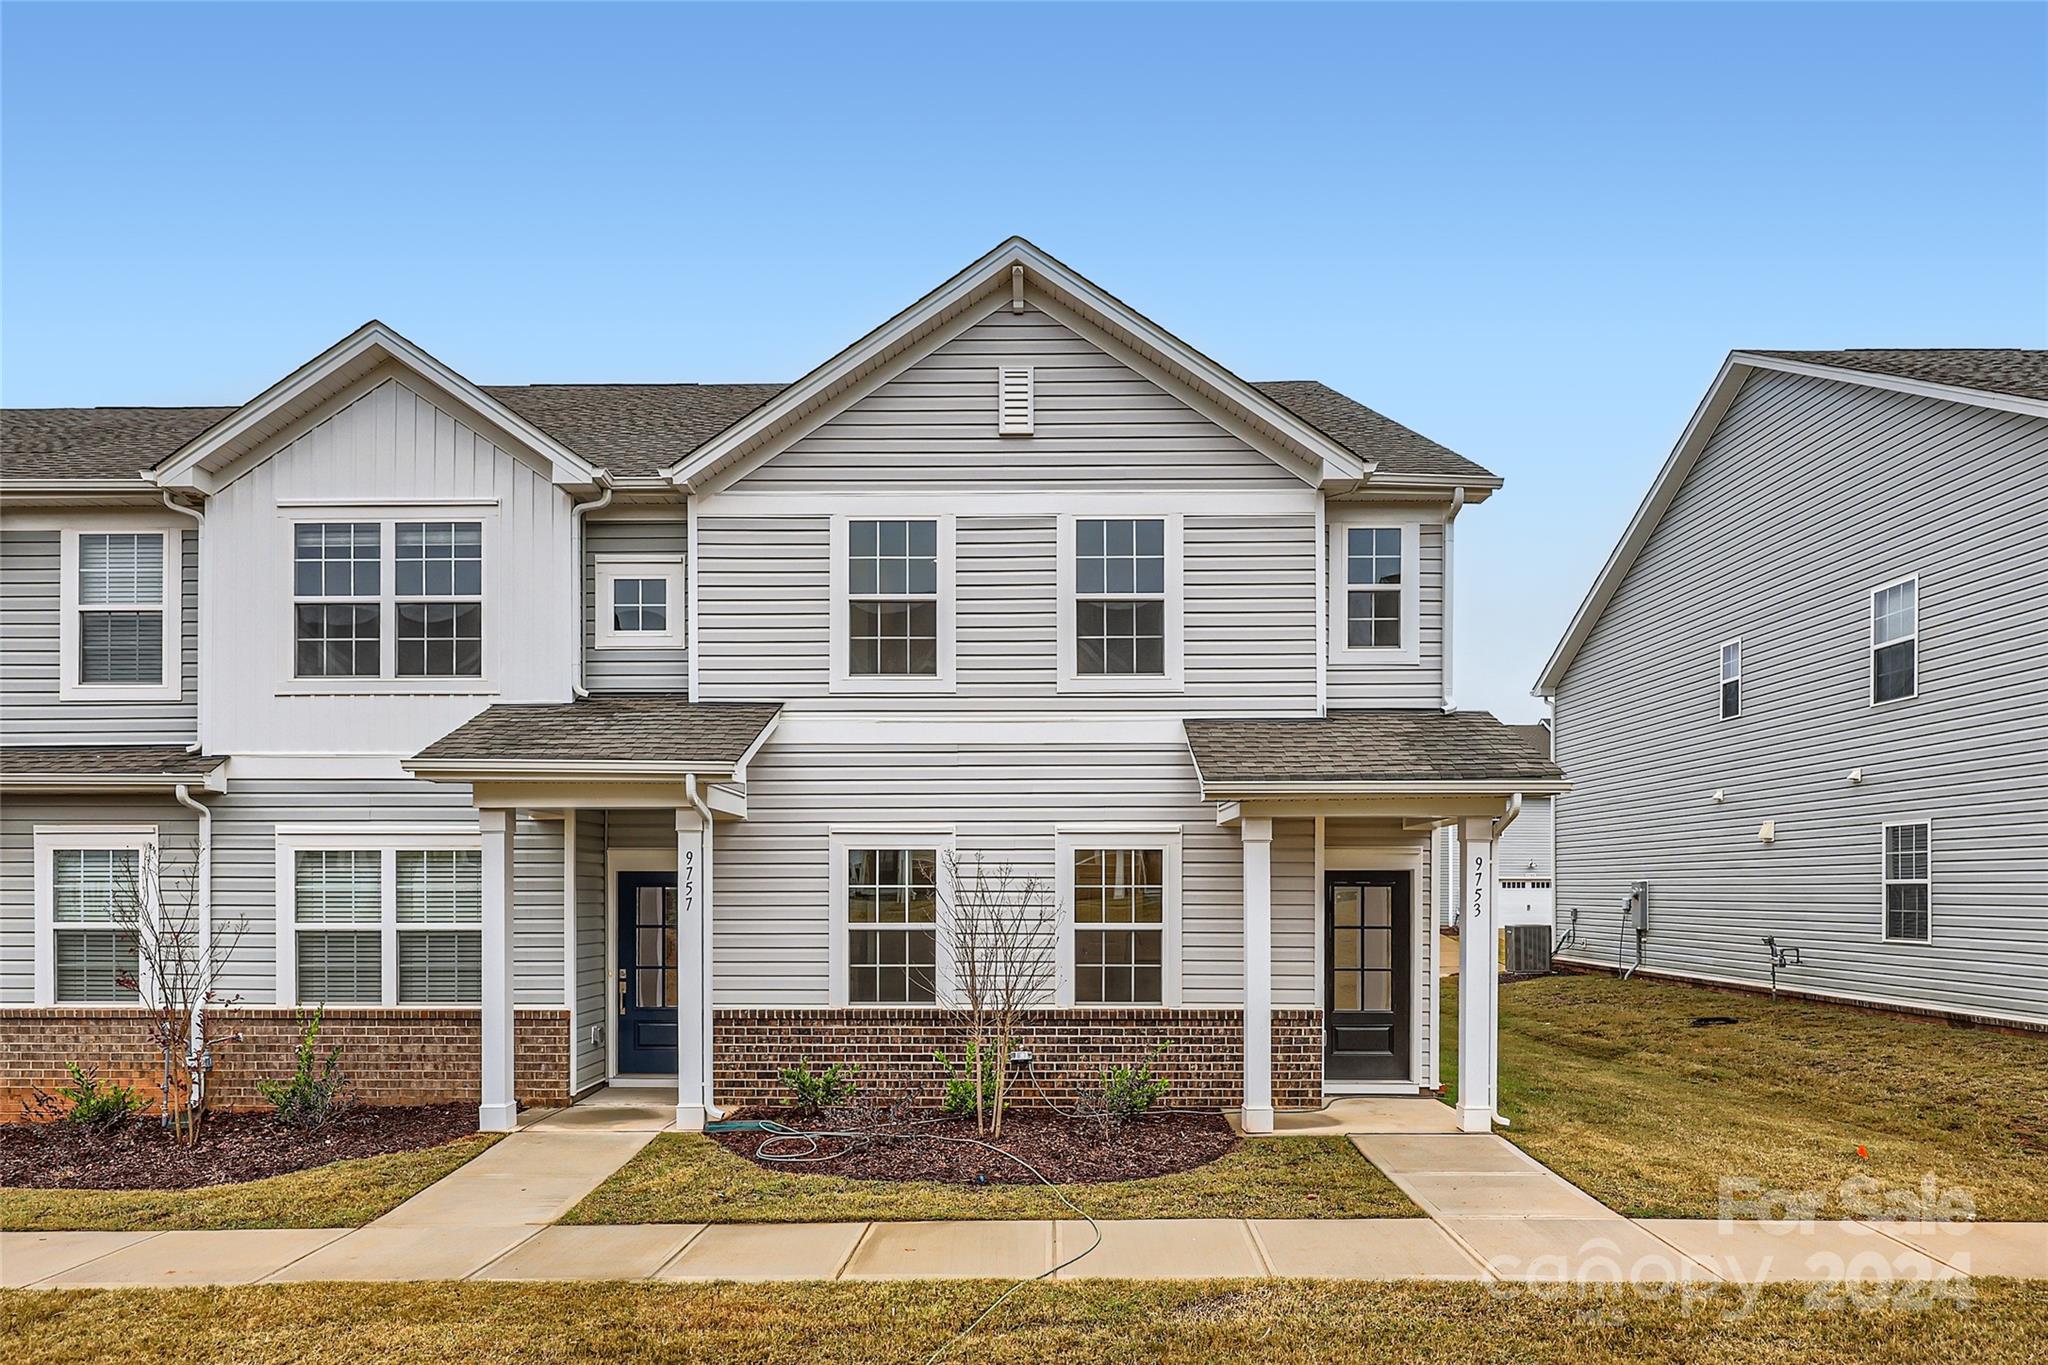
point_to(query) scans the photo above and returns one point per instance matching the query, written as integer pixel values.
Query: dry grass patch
(343, 1194)
(815, 1324)
(687, 1178)
(1609, 1085)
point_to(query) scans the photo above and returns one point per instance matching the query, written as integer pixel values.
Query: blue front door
(647, 973)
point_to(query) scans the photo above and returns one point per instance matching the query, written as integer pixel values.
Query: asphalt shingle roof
(633, 430)
(2023, 374)
(168, 761)
(1368, 746)
(658, 727)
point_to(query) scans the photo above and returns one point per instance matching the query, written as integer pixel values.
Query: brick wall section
(1070, 1047)
(394, 1056)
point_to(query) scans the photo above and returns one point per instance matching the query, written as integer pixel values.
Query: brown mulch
(140, 1155)
(1067, 1150)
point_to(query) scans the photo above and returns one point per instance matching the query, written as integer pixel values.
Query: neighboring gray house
(561, 734)
(1807, 697)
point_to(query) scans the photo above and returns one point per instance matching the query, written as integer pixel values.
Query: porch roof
(655, 734)
(82, 767)
(1361, 751)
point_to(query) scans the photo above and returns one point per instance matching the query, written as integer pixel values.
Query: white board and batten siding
(1865, 486)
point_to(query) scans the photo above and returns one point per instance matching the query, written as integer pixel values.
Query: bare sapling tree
(180, 962)
(999, 934)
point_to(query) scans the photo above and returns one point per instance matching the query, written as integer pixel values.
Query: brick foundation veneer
(1070, 1047)
(392, 1056)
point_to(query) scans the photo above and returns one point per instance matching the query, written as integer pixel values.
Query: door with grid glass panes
(1365, 975)
(646, 995)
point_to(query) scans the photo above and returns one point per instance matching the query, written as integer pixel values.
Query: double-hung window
(1120, 607)
(1375, 586)
(93, 888)
(1731, 680)
(639, 602)
(120, 615)
(366, 920)
(1122, 894)
(1895, 641)
(360, 615)
(892, 625)
(887, 938)
(1908, 881)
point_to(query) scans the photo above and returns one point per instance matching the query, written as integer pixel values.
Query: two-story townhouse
(1805, 704)
(563, 734)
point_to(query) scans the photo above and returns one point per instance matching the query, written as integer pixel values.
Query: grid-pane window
(892, 914)
(438, 579)
(1372, 587)
(1908, 882)
(1731, 679)
(892, 598)
(1119, 925)
(640, 606)
(334, 889)
(1120, 597)
(121, 608)
(440, 967)
(95, 896)
(1894, 641)
(439, 889)
(337, 614)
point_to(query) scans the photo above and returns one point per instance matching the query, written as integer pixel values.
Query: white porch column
(1478, 982)
(498, 1110)
(692, 1043)
(1257, 833)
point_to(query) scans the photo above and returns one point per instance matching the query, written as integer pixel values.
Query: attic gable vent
(1014, 387)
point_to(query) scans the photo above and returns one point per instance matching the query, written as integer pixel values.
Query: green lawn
(344, 1194)
(1079, 1323)
(687, 1178)
(1606, 1082)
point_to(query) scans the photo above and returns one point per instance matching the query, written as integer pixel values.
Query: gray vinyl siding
(593, 1010)
(177, 843)
(632, 670)
(1417, 684)
(1809, 494)
(1248, 612)
(1523, 849)
(1099, 424)
(538, 917)
(30, 711)
(772, 876)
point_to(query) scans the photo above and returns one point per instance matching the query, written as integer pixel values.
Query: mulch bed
(1067, 1150)
(232, 1147)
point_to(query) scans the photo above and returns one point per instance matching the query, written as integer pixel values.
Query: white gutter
(576, 515)
(199, 1064)
(198, 745)
(691, 785)
(1450, 600)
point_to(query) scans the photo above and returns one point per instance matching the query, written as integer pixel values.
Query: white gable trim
(1706, 419)
(1050, 280)
(198, 465)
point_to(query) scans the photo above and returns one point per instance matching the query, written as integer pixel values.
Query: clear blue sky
(1529, 231)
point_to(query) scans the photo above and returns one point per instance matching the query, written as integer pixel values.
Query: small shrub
(960, 1096)
(87, 1101)
(316, 1091)
(1129, 1091)
(817, 1091)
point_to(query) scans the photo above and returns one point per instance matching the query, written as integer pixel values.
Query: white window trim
(611, 568)
(1066, 840)
(386, 840)
(842, 678)
(1409, 652)
(1720, 686)
(1069, 677)
(388, 516)
(1870, 624)
(50, 838)
(839, 840)
(1885, 881)
(171, 688)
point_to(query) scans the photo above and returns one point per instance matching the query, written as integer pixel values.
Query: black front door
(1365, 977)
(647, 973)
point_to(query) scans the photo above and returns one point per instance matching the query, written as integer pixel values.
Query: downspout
(691, 786)
(576, 516)
(199, 1059)
(1450, 600)
(198, 745)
